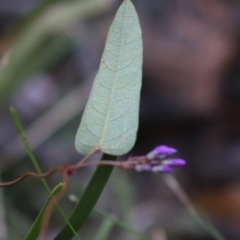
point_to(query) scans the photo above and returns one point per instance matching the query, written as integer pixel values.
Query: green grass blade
(88, 199)
(121, 224)
(104, 229)
(36, 227)
(21, 132)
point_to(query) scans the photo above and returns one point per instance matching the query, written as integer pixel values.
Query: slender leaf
(36, 227)
(21, 132)
(88, 199)
(110, 120)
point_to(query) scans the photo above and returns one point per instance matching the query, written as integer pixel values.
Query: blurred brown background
(190, 100)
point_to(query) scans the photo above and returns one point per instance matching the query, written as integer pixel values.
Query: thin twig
(32, 174)
(95, 150)
(68, 169)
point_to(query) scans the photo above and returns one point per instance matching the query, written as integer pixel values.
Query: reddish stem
(33, 174)
(71, 169)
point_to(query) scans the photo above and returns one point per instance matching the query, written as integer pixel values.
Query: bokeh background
(50, 51)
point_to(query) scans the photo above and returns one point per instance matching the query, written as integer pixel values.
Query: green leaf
(110, 120)
(36, 227)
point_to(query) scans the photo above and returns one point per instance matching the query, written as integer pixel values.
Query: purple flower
(161, 152)
(143, 167)
(175, 162)
(162, 168)
(157, 160)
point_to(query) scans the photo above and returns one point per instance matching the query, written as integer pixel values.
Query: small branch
(32, 174)
(70, 169)
(84, 159)
(103, 162)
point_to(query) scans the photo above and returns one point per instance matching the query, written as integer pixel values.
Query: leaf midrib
(115, 79)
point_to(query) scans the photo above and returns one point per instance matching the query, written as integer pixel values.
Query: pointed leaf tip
(110, 119)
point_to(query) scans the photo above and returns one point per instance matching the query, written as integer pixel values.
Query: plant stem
(88, 199)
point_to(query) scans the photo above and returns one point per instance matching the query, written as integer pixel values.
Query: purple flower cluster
(159, 160)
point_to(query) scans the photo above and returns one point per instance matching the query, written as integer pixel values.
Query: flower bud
(162, 168)
(161, 152)
(175, 162)
(143, 167)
